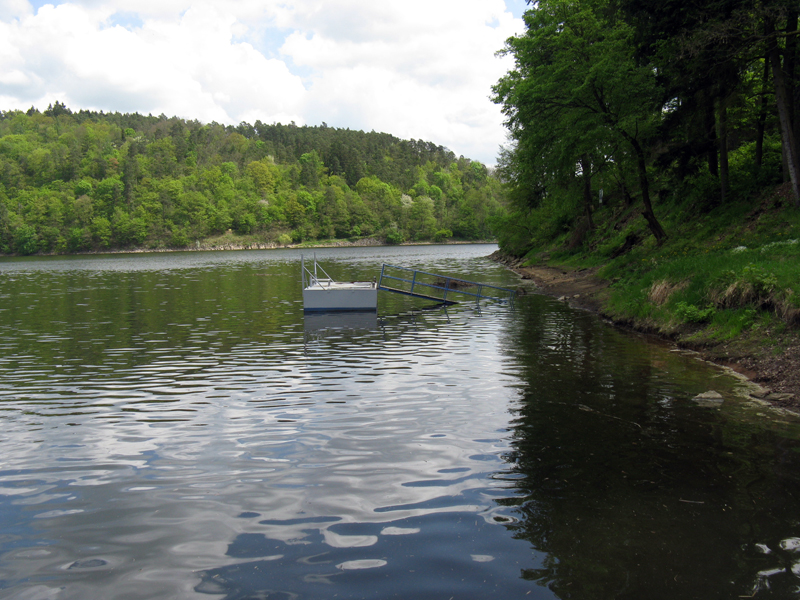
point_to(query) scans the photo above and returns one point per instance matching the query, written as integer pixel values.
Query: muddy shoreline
(777, 377)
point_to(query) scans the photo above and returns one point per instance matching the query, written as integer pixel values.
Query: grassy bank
(728, 278)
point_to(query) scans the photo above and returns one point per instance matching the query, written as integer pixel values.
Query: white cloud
(388, 69)
(12, 9)
(420, 69)
(188, 66)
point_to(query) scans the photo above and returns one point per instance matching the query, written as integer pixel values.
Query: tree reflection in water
(632, 489)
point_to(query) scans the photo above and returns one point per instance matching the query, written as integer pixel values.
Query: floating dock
(322, 294)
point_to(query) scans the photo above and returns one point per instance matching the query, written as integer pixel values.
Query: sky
(420, 69)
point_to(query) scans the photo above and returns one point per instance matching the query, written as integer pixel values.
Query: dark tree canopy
(640, 99)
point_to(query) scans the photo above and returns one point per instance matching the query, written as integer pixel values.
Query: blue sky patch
(517, 7)
(37, 4)
(127, 19)
(269, 40)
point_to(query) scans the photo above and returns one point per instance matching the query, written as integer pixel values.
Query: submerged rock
(761, 392)
(790, 544)
(710, 399)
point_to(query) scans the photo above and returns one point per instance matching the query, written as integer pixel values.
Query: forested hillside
(663, 106)
(78, 181)
(657, 143)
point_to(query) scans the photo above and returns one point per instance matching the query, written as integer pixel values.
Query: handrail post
(413, 281)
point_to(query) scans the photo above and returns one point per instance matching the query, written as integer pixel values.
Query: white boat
(322, 293)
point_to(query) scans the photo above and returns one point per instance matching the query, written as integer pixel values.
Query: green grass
(728, 273)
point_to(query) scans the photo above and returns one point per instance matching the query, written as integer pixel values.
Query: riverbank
(777, 375)
(233, 244)
(226, 245)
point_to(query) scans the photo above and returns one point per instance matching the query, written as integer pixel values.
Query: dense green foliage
(78, 181)
(685, 114)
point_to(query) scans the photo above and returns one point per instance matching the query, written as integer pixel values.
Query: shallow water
(174, 426)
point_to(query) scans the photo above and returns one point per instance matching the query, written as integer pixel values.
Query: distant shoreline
(204, 247)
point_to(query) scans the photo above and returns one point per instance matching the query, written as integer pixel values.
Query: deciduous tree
(577, 89)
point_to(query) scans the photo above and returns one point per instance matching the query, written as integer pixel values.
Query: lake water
(173, 426)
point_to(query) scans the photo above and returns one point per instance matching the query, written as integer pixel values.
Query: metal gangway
(432, 286)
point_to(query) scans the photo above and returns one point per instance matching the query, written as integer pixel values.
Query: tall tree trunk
(626, 193)
(619, 177)
(762, 116)
(586, 175)
(787, 133)
(711, 133)
(790, 67)
(722, 140)
(644, 186)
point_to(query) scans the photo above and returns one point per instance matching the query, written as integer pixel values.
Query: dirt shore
(777, 376)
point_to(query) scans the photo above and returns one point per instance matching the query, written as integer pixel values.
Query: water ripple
(175, 425)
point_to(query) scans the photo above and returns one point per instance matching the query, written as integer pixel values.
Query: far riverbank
(232, 244)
